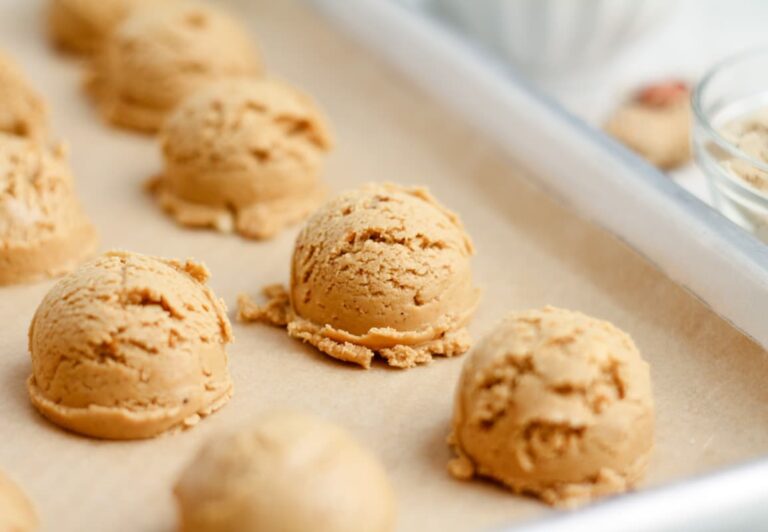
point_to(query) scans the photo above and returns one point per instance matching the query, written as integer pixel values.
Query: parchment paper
(709, 379)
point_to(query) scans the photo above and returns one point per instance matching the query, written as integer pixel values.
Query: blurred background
(596, 56)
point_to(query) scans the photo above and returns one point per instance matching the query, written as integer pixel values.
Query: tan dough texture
(556, 404)
(750, 135)
(383, 269)
(287, 472)
(81, 26)
(660, 134)
(243, 155)
(16, 511)
(22, 110)
(157, 57)
(129, 346)
(43, 229)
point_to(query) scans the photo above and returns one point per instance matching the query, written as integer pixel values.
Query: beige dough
(555, 404)
(288, 473)
(43, 230)
(129, 346)
(157, 57)
(656, 124)
(383, 269)
(81, 26)
(243, 155)
(22, 110)
(750, 134)
(16, 511)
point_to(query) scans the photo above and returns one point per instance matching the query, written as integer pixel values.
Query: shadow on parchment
(15, 381)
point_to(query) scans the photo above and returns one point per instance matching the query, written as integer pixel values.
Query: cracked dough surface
(243, 155)
(287, 472)
(157, 57)
(383, 269)
(22, 110)
(43, 229)
(556, 404)
(129, 346)
(16, 511)
(81, 26)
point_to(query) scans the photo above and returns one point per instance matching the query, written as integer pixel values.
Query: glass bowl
(736, 167)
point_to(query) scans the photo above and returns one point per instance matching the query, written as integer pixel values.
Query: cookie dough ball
(157, 57)
(129, 346)
(555, 404)
(43, 229)
(656, 124)
(81, 26)
(243, 155)
(16, 511)
(288, 472)
(22, 110)
(383, 269)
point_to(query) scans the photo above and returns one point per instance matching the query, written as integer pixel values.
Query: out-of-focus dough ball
(43, 229)
(288, 472)
(157, 57)
(23, 112)
(656, 124)
(81, 26)
(16, 511)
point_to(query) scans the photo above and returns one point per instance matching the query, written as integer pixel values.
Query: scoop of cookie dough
(81, 26)
(129, 346)
(156, 57)
(385, 270)
(43, 229)
(22, 110)
(287, 472)
(555, 404)
(656, 124)
(243, 155)
(16, 511)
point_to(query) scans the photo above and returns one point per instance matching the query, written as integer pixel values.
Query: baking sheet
(530, 251)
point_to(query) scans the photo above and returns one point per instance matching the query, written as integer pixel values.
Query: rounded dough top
(556, 403)
(16, 511)
(287, 472)
(249, 149)
(22, 110)
(247, 124)
(157, 57)
(129, 346)
(383, 257)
